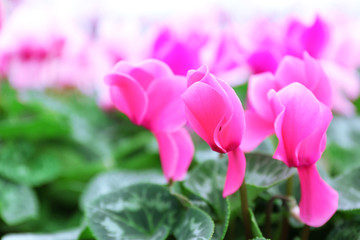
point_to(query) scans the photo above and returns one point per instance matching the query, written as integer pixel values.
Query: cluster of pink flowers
(298, 73)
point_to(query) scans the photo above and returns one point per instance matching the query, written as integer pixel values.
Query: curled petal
(128, 96)
(232, 130)
(318, 200)
(205, 109)
(300, 125)
(235, 172)
(145, 72)
(194, 76)
(259, 86)
(176, 152)
(166, 109)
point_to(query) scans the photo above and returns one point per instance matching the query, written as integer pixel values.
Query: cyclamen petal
(300, 125)
(205, 109)
(235, 172)
(145, 72)
(318, 201)
(216, 114)
(128, 96)
(166, 110)
(176, 151)
(150, 95)
(232, 130)
(257, 129)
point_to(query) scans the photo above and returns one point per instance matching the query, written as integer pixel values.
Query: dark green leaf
(142, 211)
(345, 230)
(207, 181)
(114, 180)
(262, 171)
(195, 225)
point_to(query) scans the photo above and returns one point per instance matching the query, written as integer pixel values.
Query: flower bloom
(301, 121)
(149, 94)
(259, 116)
(215, 113)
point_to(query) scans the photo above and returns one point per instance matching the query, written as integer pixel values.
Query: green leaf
(63, 235)
(343, 137)
(349, 229)
(114, 180)
(195, 225)
(254, 226)
(142, 211)
(29, 163)
(207, 181)
(18, 203)
(348, 187)
(263, 172)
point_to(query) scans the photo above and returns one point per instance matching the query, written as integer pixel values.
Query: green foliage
(142, 211)
(18, 203)
(348, 188)
(207, 181)
(114, 180)
(195, 225)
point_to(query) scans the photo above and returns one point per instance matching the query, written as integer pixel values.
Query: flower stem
(305, 233)
(285, 217)
(245, 210)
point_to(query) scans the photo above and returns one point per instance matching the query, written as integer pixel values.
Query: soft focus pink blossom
(180, 51)
(331, 42)
(259, 116)
(149, 94)
(300, 125)
(215, 113)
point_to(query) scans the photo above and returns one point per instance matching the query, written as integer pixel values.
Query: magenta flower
(259, 116)
(215, 113)
(301, 121)
(179, 52)
(149, 94)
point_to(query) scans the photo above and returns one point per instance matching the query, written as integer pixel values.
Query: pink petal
(232, 130)
(185, 148)
(259, 86)
(311, 148)
(205, 109)
(166, 109)
(263, 61)
(291, 69)
(257, 129)
(315, 38)
(319, 83)
(128, 96)
(145, 72)
(318, 201)
(235, 172)
(169, 153)
(194, 76)
(176, 152)
(303, 118)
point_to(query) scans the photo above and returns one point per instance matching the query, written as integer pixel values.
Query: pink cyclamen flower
(259, 116)
(150, 95)
(300, 125)
(215, 113)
